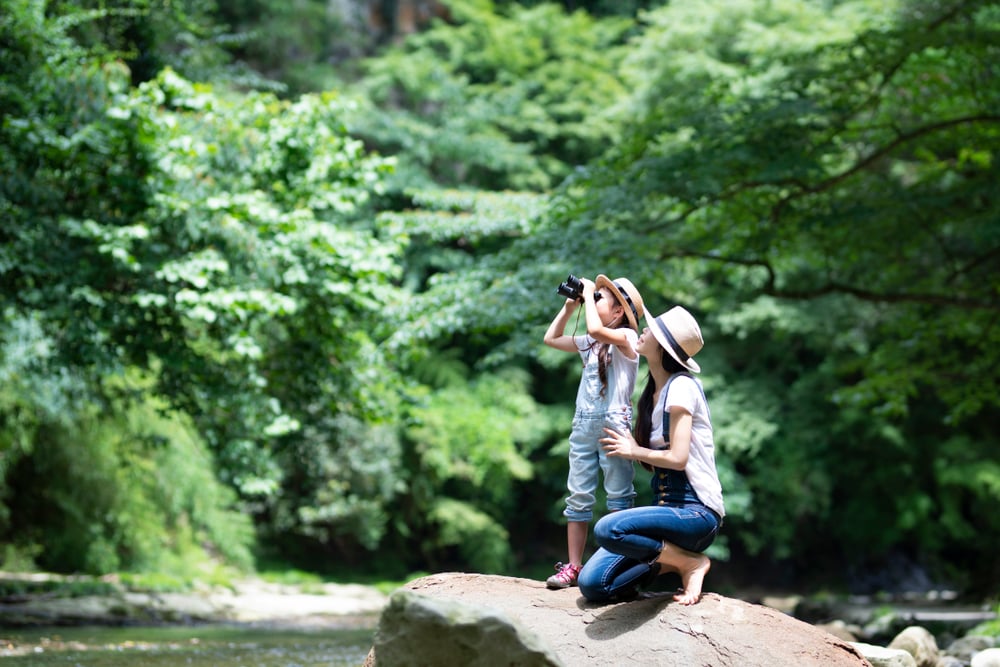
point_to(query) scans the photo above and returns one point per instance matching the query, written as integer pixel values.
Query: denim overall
(587, 458)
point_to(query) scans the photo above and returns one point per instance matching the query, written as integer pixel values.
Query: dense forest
(275, 277)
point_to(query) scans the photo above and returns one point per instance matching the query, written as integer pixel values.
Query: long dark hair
(644, 412)
(604, 352)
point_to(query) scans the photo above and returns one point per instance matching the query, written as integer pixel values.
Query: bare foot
(690, 565)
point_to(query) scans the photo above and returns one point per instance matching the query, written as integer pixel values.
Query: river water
(191, 646)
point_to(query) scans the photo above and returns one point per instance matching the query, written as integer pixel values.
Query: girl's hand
(588, 287)
(619, 444)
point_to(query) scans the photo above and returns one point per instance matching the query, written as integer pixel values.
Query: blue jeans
(587, 458)
(631, 540)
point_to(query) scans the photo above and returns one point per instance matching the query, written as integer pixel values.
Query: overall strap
(666, 412)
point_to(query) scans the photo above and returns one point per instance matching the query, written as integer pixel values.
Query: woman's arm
(675, 458)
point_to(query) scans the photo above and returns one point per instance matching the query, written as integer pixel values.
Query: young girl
(603, 400)
(673, 435)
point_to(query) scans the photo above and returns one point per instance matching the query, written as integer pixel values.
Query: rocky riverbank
(41, 600)
(51, 600)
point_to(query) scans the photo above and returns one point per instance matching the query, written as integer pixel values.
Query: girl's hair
(644, 411)
(604, 351)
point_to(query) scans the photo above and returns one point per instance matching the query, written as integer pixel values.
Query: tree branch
(833, 287)
(894, 144)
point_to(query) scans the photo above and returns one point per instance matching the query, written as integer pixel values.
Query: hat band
(628, 300)
(678, 350)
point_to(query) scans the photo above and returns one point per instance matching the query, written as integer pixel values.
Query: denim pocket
(619, 420)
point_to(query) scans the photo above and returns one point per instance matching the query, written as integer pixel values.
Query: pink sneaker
(564, 577)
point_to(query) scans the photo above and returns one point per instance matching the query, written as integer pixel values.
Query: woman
(673, 438)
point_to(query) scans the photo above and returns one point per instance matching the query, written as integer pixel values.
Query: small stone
(988, 658)
(919, 643)
(965, 647)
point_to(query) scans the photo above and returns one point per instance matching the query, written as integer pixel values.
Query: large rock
(431, 621)
(417, 629)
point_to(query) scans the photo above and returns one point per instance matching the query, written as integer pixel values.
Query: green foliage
(596, 7)
(685, 48)
(273, 279)
(830, 152)
(219, 245)
(987, 629)
(452, 238)
(469, 444)
(459, 106)
(356, 340)
(12, 587)
(123, 491)
(149, 35)
(346, 474)
(67, 165)
(290, 43)
(830, 232)
(470, 434)
(479, 539)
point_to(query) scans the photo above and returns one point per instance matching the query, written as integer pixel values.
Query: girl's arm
(555, 336)
(596, 328)
(675, 458)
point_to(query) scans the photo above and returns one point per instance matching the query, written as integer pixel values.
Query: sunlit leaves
(460, 105)
(477, 536)
(220, 242)
(274, 263)
(471, 441)
(475, 437)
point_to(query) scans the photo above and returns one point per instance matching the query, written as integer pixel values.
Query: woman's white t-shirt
(685, 391)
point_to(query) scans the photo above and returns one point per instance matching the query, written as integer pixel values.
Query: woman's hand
(620, 444)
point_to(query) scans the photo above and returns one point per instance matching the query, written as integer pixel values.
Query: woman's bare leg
(690, 565)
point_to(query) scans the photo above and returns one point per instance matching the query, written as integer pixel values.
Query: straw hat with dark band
(679, 334)
(627, 295)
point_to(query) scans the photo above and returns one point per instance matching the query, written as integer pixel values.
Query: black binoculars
(572, 288)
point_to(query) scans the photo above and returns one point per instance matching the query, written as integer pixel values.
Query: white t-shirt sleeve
(683, 393)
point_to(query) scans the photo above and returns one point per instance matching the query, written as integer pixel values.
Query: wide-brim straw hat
(679, 334)
(627, 295)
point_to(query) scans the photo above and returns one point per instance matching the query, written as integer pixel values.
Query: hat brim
(603, 281)
(657, 332)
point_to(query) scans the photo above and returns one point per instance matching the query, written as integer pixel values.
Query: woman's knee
(592, 586)
(604, 531)
(596, 575)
